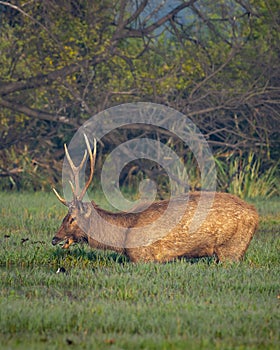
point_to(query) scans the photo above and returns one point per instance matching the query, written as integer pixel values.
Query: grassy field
(104, 302)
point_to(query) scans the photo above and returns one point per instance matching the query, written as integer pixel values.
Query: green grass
(104, 302)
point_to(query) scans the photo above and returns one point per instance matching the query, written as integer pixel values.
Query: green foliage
(102, 301)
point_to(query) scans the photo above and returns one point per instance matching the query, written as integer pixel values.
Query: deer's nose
(55, 240)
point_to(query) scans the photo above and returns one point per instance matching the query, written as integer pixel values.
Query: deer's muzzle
(55, 240)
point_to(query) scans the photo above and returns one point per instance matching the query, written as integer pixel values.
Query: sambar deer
(225, 233)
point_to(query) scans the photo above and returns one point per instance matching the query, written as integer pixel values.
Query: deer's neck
(107, 230)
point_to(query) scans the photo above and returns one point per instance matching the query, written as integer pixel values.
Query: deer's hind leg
(235, 248)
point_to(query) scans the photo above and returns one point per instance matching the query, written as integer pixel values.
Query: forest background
(216, 62)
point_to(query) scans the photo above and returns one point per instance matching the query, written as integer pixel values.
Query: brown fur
(225, 233)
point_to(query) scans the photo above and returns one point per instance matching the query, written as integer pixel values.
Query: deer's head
(70, 231)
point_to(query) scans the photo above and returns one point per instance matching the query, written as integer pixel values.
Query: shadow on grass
(81, 253)
(99, 256)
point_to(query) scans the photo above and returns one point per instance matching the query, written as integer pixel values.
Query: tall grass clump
(243, 176)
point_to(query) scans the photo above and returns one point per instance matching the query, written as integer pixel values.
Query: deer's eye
(72, 220)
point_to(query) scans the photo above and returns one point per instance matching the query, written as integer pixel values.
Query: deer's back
(197, 233)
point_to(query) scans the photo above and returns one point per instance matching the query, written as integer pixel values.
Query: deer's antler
(75, 187)
(62, 200)
(92, 157)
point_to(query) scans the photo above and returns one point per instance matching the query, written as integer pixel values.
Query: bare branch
(17, 8)
(137, 13)
(139, 33)
(35, 113)
(49, 78)
(204, 81)
(209, 24)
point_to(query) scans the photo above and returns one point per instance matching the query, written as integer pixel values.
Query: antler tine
(72, 188)
(92, 157)
(62, 200)
(75, 171)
